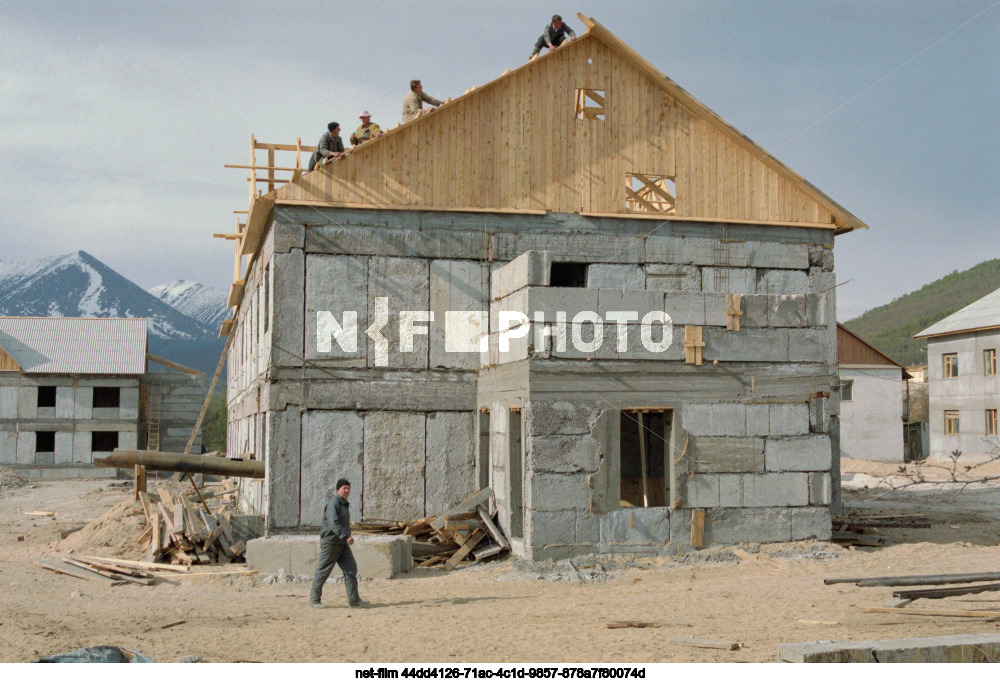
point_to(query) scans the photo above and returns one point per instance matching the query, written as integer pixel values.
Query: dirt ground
(508, 611)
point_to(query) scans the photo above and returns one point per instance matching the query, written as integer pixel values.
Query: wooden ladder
(154, 405)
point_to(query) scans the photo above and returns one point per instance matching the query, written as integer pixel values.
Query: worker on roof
(553, 36)
(413, 103)
(366, 131)
(330, 146)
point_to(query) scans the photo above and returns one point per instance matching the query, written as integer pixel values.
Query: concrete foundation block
(640, 302)
(782, 282)
(556, 492)
(811, 522)
(562, 454)
(559, 417)
(394, 465)
(332, 448)
(811, 345)
(685, 307)
(746, 345)
(778, 255)
(450, 469)
(819, 415)
(588, 527)
(616, 276)
(776, 490)
(727, 526)
(787, 310)
(708, 454)
(758, 420)
(703, 491)
(977, 648)
(788, 419)
(550, 527)
(661, 277)
(715, 309)
(819, 489)
(550, 300)
(531, 268)
(377, 556)
(635, 526)
(802, 453)
(729, 280)
(756, 310)
(714, 419)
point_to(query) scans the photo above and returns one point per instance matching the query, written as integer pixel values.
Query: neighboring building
(917, 373)
(963, 383)
(581, 181)
(872, 405)
(72, 389)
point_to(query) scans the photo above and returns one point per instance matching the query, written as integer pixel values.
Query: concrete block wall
(181, 398)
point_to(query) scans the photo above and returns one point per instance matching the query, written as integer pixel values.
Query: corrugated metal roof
(981, 314)
(75, 345)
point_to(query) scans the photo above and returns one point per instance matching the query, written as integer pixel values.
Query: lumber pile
(466, 532)
(114, 572)
(955, 585)
(182, 529)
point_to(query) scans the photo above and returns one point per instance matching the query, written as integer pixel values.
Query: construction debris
(183, 533)
(466, 531)
(707, 643)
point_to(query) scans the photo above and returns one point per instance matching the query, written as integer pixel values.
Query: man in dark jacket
(330, 146)
(554, 36)
(335, 548)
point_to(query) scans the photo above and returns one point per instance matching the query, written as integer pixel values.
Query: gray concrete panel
(804, 453)
(782, 282)
(729, 280)
(64, 402)
(708, 454)
(663, 277)
(394, 465)
(612, 276)
(778, 255)
(64, 447)
(455, 286)
(554, 492)
(746, 345)
(334, 285)
(332, 448)
(395, 242)
(776, 490)
(283, 468)
(562, 454)
(406, 283)
(8, 446)
(789, 419)
(544, 418)
(532, 268)
(27, 402)
(450, 459)
(129, 403)
(287, 316)
(686, 307)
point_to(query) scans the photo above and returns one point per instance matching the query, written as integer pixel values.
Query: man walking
(335, 542)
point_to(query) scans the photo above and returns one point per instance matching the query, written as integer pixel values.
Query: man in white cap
(366, 131)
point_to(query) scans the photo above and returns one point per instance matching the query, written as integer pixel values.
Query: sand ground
(508, 611)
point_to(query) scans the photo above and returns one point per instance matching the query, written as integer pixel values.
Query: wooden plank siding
(515, 143)
(853, 350)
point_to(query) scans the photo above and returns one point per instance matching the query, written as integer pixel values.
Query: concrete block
(789, 419)
(45, 458)
(819, 310)
(729, 280)
(731, 490)
(287, 314)
(333, 286)
(406, 283)
(26, 447)
(532, 268)
(635, 526)
(451, 462)
(285, 237)
(27, 402)
(819, 415)
(556, 492)
(64, 402)
(746, 345)
(756, 310)
(588, 527)
(776, 490)
(457, 287)
(820, 282)
(707, 454)
(544, 418)
(107, 414)
(782, 282)
(811, 522)
(128, 404)
(777, 255)
(8, 402)
(703, 491)
(638, 301)
(694, 251)
(64, 447)
(562, 454)
(81, 447)
(129, 440)
(8, 446)
(283, 468)
(661, 277)
(758, 420)
(412, 241)
(685, 307)
(976, 648)
(377, 556)
(787, 311)
(714, 419)
(332, 448)
(574, 247)
(394, 465)
(715, 309)
(549, 300)
(616, 276)
(811, 345)
(550, 527)
(802, 453)
(820, 493)
(728, 525)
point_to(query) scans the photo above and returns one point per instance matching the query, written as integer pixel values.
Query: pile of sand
(114, 533)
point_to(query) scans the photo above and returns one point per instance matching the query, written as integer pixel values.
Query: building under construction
(373, 300)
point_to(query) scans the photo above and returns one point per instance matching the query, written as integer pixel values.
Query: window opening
(46, 396)
(951, 422)
(103, 441)
(847, 390)
(644, 436)
(107, 396)
(650, 193)
(950, 365)
(568, 275)
(590, 104)
(991, 422)
(45, 441)
(990, 361)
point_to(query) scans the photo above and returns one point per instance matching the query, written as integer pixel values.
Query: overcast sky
(116, 117)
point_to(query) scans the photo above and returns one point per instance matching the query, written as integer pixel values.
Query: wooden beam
(642, 460)
(273, 168)
(235, 294)
(697, 528)
(734, 311)
(693, 345)
(174, 365)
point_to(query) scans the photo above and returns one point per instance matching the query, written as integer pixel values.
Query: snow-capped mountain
(79, 285)
(204, 304)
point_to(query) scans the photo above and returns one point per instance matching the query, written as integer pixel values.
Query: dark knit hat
(341, 482)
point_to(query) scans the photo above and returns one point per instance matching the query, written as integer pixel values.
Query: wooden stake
(697, 528)
(140, 481)
(642, 461)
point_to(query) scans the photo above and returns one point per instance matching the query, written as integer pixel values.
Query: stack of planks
(467, 531)
(857, 530)
(184, 530)
(113, 572)
(954, 585)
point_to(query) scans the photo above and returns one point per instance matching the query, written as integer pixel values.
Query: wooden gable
(589, 128)
(7, 363)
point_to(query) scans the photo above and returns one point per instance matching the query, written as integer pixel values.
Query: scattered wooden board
(707, 643)
(76, 572)
(947, 613)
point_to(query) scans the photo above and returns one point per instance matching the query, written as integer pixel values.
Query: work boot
(359, 604)
(317, 605)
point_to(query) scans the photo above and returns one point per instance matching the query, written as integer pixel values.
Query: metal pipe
(155, 460)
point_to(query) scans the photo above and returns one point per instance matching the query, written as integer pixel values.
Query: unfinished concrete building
(373, 299)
